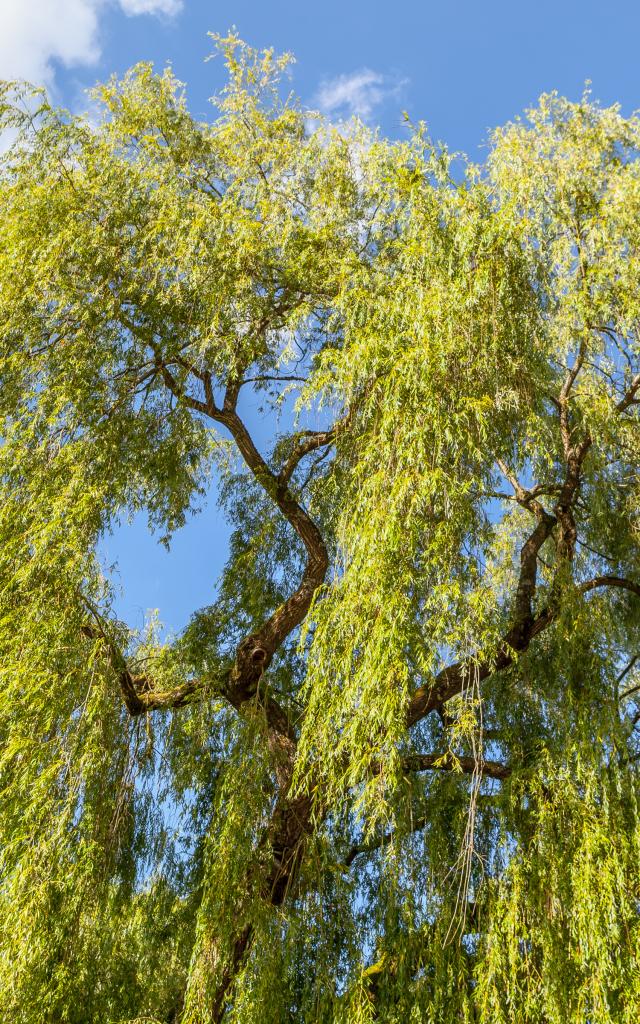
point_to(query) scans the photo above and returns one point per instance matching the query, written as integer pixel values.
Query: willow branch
(610, 581)
(291, 613)
(527, 497)
(138, 694)
(172, 384)
(450, 762)
(630, 397)
(256, 651)
(417, 824)
(625, 671)
(307, 442)
(426, 762)
(452, 679)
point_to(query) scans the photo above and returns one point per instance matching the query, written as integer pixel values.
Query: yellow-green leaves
(421, 806)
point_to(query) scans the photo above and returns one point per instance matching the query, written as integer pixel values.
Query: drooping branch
(417, 824)
(451, 680)
(574, 454)
(525, 626)
(446, 762)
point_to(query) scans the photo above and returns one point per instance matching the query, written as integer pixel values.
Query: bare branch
(279, 379)
(179, 393)
(624, 673)
(562, 404)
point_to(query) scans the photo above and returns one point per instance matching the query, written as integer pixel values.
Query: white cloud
(166, 7)
(358, 93)
(34, 34)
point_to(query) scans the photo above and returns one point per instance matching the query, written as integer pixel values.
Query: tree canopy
(390, 773)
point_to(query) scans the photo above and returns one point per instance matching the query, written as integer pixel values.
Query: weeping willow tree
(390, 774)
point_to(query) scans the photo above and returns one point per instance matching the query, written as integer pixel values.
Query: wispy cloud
(166, 7)
(35, 34)
(357, 94)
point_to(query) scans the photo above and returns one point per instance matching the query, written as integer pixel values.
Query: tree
(390, 774)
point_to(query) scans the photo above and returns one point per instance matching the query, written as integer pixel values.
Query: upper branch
(525, 625)
(565, 391)
(610, 581)
(307, 442)
(256, 651)
(527, 497)
(291, 613)
(631, 396)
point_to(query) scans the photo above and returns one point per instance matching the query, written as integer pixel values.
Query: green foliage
(408, 793)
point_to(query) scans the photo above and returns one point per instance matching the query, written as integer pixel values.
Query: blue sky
(463, 67)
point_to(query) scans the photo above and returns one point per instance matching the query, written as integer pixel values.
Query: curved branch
(527, 497)
(610, 581)
(309, 441)
(261, 645)
(452, 679)
(256, 651)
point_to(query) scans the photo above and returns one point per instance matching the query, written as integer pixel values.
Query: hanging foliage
(390, 773)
